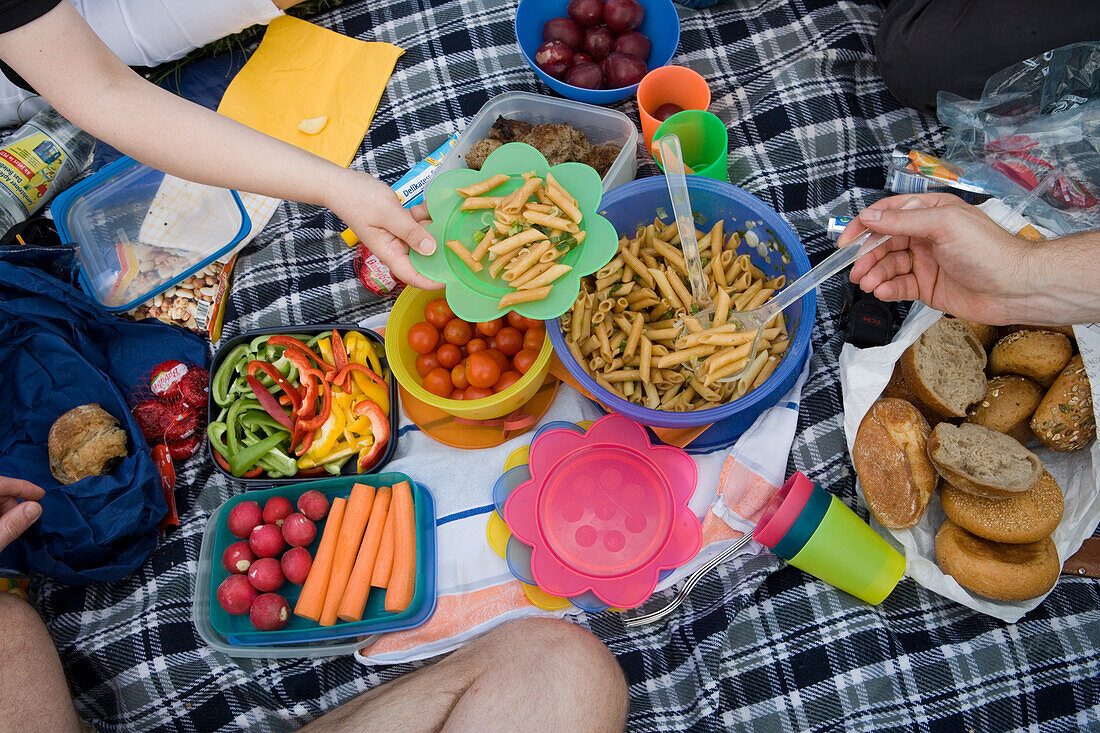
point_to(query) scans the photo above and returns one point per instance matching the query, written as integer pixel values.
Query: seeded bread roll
(1066, 331)
(891, 459)
(981, 461)
(987, 335)
(945, 368)
(1037, 355)
(1008, 405)
(997, 570)
(85, 441)
(1064, 420)
(1026, 517)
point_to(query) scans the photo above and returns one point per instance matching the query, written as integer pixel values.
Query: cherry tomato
(437, 313)
(502, 361)
(477, 393)
(457, 331)
(448, 355)
(515, 320)
(524, 360)
(482, 370)
(532, 339)
(438, 382)
(475, 345)
(490, 328)
(507, 379)
(458, 377)
(509, 340)
(458, 394)
(423, 337)
(492, 341)
(426, 362)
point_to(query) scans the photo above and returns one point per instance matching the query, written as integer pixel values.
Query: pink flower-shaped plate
(605, 511)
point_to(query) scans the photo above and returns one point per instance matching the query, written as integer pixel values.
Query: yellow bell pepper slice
(325, 346)
(375, 394)
(342, 449)
(327, 435)
(365, 354)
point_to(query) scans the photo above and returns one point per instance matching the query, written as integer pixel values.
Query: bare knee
(23, 628)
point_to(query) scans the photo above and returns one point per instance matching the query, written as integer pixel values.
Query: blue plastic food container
(661, 25)
(139, 231)
(638, 202)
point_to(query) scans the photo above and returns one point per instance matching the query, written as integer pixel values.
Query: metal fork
(691, 582)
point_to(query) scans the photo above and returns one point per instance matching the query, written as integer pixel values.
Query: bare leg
(529, 675)
(33, 691)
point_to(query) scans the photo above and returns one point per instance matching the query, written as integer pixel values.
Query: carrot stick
(355, 595)
(399, 594)
(347, 545)
(312, 599)
(380, 578)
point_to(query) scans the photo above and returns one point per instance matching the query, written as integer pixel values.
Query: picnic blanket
(757, 646)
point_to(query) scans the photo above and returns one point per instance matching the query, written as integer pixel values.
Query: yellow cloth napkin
(302, 71)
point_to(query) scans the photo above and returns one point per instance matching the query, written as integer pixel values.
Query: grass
(237, 41)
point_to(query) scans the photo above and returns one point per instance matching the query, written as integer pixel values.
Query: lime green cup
(704, 140)
(816, 532)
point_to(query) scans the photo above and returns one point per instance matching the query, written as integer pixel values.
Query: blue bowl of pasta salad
(758, 252)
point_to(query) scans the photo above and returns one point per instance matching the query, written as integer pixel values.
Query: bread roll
(1064, 420)
(981, 461)
(85, 441)
(996, 570)
(897, 387)
(985, 334)
(1026, 517)
(1067, 331)
(945, 368)
(1037, 355)
(891, 459)
(1008, 405)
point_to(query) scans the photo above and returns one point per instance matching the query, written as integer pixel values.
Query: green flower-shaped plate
(475, 296)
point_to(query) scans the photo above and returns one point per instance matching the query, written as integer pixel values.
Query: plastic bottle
(38, 160)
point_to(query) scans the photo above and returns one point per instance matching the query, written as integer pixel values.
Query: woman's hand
(16, 516)
(372, 210)
(947, 254)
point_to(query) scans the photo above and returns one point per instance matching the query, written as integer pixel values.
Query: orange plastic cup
(677, 85)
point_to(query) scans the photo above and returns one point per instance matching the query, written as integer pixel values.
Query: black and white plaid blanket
(757, 647)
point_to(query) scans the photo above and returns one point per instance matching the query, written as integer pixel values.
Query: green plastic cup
(846, 553)
(704, 140)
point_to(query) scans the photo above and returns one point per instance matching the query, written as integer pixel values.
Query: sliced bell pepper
(307, 443)
(342, 376)
(364, 353)
(246, 458)
(339, 352)
(326, 408)
(327, 434)
(342, 449)
(325, 347)
(223, 377)
(272, 371)
(380, 429)
(269, 403)
(286, 341)
(253, 473)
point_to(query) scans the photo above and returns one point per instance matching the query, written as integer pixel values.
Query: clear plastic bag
(1035, 128)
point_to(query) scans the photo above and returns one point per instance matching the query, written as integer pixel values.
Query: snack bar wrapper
(863, 375)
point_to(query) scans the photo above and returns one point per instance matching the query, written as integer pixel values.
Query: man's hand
(947, 254)
(16, 516)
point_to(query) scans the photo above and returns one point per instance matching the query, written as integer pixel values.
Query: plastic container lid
(140, 231)
(599, 125)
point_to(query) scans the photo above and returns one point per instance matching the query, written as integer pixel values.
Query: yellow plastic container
(409, 310)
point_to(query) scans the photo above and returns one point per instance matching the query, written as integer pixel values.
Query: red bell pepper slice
(380, 429)
(326, 408)
(315, 471)
(253, 473)
(344, 375)
(269, 403)
(270, 370)
(307, 443)
(339, 352)
(288, 341)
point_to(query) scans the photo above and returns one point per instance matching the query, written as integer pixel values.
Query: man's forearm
(1067, 283)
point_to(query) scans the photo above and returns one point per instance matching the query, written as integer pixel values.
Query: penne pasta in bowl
(516, 235)
(622, 339)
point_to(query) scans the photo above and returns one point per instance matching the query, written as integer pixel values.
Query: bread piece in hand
(1026, 517)
(981, 461)
(945, 368)
(891, 460)
(1008, 405)
(985, 334)
(1037, 355)
(85, 441)
(1064, 420)
(997, 570)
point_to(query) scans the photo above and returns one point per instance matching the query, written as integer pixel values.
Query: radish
(266, 540)
(236, 595)
(296, 563)
(243, 517)
(298, 531)
(270, 612)
(238, 557)
(276, 510)
(266, 574)
(313, 504)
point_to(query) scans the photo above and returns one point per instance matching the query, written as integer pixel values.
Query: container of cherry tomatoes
(476, 371)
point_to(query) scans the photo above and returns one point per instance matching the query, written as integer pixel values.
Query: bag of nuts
(196, 303)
